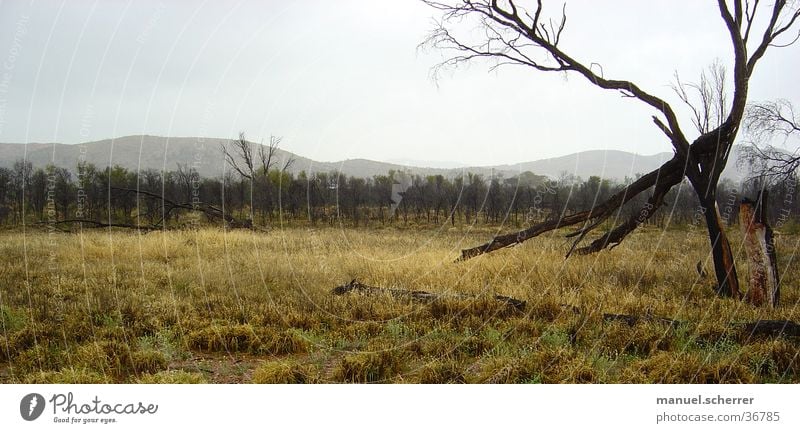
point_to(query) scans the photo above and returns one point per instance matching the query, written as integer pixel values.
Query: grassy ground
(214, 306)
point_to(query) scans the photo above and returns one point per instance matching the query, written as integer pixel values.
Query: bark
(759, 246)
(664, 178)
(722, 255)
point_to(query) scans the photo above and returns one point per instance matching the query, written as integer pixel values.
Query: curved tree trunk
(724, 265)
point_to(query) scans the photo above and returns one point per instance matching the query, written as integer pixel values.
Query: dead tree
(516, 35)
(188, 177)
(239, 154)
(764, 123)
(268, 156)
(759, 243)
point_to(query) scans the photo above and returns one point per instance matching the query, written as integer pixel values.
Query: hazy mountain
(141, 151)
(604, 163)
(150, 152)
(427, 163)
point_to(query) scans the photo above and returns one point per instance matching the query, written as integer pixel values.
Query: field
(241, 306)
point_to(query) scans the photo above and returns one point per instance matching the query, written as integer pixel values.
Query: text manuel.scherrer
(699, 399)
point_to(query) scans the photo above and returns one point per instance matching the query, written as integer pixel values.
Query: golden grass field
(241, 306)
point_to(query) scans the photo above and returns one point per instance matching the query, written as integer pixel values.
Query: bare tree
(266, 154)
(765, 123)
(288, 163)
(187, 176)
(516, 35)
(240, 157)
(708, 99)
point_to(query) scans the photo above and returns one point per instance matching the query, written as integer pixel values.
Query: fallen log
(771, 328)
(210, 211)
(418, 295)
(98, 224)
(167, 206)
(634, 320)
(748, 330)
(759, 328)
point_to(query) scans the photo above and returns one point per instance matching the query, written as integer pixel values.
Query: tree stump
(760, 248)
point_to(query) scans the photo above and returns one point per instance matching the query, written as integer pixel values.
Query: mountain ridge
(205, 155)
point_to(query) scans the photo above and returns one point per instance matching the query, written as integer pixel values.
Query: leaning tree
(513, 34)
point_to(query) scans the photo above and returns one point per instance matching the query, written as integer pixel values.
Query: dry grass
(214, 306)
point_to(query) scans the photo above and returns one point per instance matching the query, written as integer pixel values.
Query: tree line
(56, 195)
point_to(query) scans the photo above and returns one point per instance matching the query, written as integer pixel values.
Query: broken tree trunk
(669, 174)
(760, 248)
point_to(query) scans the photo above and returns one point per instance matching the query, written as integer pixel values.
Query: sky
(342, 79)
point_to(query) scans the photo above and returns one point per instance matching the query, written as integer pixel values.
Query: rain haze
(401, 191)
(346, 79)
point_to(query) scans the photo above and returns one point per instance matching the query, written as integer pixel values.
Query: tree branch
(614, 237)
(540, 37)
(669, 170)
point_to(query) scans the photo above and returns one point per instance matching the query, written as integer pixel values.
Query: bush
(368, 367)
(172, 376)
(67, 375)
(287, 343)
(280, 371)
(106, 356)
(777, 359)
(226, 338)
(441, 371)
(148, 361)
(690, 367)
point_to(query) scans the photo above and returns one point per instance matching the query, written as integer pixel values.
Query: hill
(165, 153)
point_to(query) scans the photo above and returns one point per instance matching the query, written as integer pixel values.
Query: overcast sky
(344, 79)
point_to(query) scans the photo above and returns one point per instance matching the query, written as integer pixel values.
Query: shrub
(227, 338)
(368, 366)
(148, 361)
(172, 376)
(67, 375)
